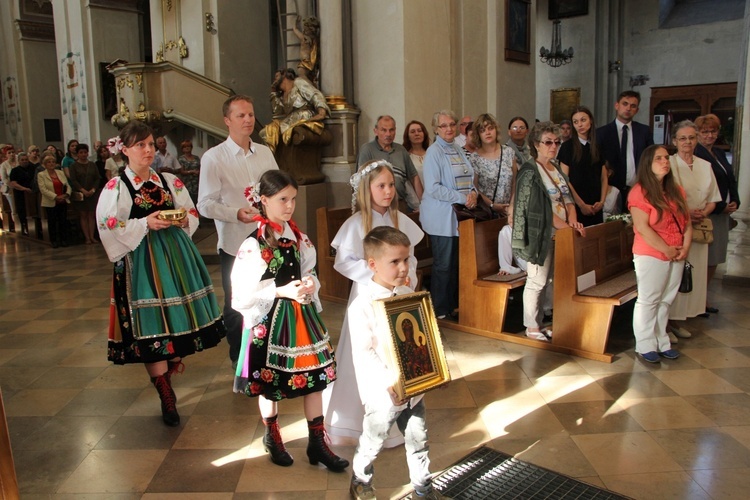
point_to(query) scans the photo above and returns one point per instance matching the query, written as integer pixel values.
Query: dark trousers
(57, 221)
(232, 319)
(444, 277)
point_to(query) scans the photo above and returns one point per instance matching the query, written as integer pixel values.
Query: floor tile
(657, 486)
(723, 483)
(625, 453)
(665, 413)
(131, 471)
(702, 448)
(694, 382)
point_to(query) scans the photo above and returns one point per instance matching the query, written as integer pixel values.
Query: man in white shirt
(460, 139)
(168, 162)
(226, 170)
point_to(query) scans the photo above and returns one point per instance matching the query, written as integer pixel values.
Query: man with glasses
(460, 139)
(622, 141)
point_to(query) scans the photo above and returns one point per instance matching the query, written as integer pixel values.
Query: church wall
(115, 35)
(245, 63)
(379, 64)
(41, 88)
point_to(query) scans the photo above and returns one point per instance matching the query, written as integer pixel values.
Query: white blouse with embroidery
(252, 296)
(119, 233)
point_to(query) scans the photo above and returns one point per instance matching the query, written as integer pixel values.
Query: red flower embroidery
(260, 331)
(330, 372)
(299, 381)
(111, 184)
(111, 222)
(137, 179)
(170, 347)
(154, 178)
(266, 375)
(254, 388)
(193, 212)
(178, 184)
(266, 254)
(138, 200)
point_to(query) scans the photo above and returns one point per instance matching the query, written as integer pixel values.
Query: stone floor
(84, 429)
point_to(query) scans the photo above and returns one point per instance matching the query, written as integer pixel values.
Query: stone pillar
(331, 48)
(340, 158)
(738, 256)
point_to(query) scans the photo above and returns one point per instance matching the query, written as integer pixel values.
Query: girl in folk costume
(285, 351)
(376, 204)
(163, 305)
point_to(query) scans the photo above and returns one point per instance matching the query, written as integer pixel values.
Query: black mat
(490, 474)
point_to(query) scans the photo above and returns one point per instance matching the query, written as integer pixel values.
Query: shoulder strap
(499, 168)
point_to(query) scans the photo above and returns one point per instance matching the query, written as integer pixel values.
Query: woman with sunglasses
(543, 204)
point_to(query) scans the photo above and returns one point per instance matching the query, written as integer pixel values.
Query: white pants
(658, 282)
(505, 260)
(537, 280)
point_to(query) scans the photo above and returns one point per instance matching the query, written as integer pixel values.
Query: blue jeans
(375, 427)
(444, 278)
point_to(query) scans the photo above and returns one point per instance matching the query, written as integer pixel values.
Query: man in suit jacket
(610, 140)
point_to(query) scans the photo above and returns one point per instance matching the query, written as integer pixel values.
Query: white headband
(357, 178)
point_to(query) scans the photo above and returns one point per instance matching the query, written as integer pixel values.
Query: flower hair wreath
(252, 195)
(114, 145)
(356, 179)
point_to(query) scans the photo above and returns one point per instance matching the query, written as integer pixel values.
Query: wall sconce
(210, 26)
(615, 66)
(637, 80)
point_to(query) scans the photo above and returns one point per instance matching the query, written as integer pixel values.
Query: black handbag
(482, 212)
(686, 284)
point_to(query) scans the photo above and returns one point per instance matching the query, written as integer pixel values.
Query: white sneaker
(682, 333)
(537, 336)
(672, 337)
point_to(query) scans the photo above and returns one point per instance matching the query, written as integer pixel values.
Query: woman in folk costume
(163, 305)
(285, 351)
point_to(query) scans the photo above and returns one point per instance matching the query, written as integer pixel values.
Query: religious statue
(308, 33)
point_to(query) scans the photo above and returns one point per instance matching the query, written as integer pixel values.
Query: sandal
(537, 336)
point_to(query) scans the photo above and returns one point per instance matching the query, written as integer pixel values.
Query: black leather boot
(273, 443)
(318, 450)
(168, 400)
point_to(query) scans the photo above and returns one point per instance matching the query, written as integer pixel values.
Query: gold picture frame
(563, 102)
(420, 365)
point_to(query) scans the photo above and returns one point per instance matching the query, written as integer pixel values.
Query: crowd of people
(76, 178)
(545, 178)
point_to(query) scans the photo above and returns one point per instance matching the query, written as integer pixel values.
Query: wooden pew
(482, 304)
(8, 481)
(334, 286)
(582, 319)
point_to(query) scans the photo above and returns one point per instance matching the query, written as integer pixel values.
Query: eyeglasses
(448, 125)
(709, 132)
(549, 143)
(689, 138)
(463, 124)
(34, 150)
(518, 129)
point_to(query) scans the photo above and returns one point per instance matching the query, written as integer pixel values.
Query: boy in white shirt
(387, 254)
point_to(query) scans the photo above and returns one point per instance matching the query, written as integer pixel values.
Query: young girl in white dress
(375, 203)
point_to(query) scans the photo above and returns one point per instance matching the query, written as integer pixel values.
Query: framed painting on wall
(517, 31)
(559, 9)
(563, 102)
(415, 353)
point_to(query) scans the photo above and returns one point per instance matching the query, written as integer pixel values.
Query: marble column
(738, 256)
(331, 48)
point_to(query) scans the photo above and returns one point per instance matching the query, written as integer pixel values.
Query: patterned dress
(163, 303)
(286, 351)
(190, 181)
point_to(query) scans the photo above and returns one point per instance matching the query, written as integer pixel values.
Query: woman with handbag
(543, 204)
(661, 223)
(494, 165)
(448, 179)
(702, 193)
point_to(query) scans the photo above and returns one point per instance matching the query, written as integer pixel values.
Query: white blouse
(119, 233)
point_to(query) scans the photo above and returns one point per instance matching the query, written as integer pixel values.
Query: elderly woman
(494, 164)
(661, 222)
(448, 179)
(518, 130)
(55, 198)
(708, 132)
(191, 169)
(543, 204)
(84, 177)
(697, 179)
(294, 101)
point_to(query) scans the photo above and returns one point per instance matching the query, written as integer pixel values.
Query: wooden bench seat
(582, 319)
(334, 286)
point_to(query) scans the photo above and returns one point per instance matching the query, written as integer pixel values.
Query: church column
(339, 159)
(738, 256)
